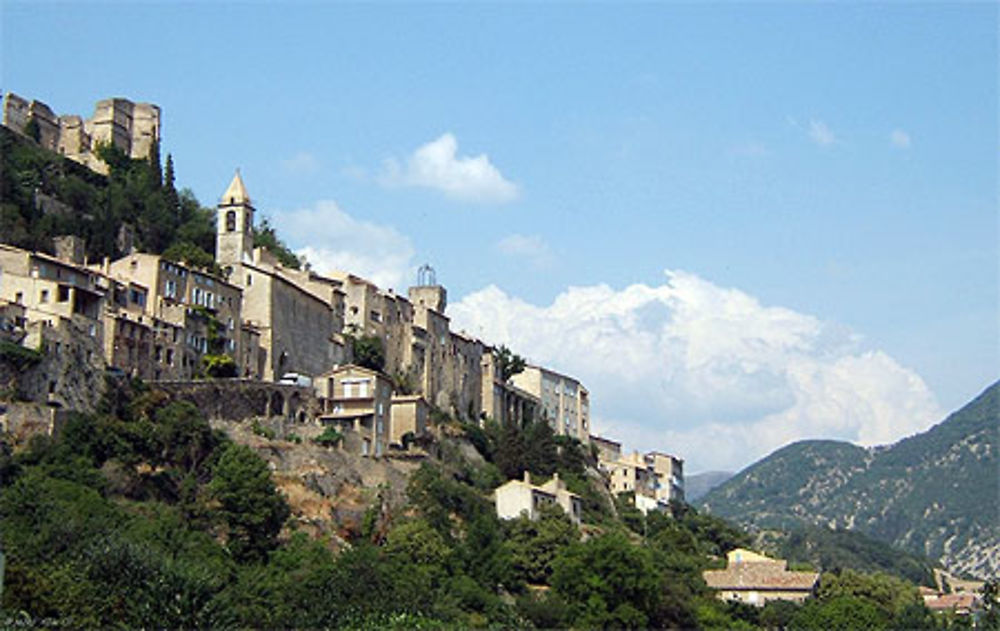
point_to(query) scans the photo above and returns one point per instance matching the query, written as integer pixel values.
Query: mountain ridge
(933, 494)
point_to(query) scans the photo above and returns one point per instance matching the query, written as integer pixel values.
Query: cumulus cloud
(821, 134)
(337, 241)
(530, 247)
(900, 138)
(437, 166)
(707, 372)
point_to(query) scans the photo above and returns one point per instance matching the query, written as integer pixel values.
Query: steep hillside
(933, 494)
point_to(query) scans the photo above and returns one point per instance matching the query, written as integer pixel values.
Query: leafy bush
(329, 438)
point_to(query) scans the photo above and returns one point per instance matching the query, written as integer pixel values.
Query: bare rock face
(328, 490)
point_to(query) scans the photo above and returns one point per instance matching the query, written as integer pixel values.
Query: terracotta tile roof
(947, 602)
(760, 576)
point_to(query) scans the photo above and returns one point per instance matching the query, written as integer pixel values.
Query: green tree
(508, 363)
(534, 544)
(368, 351)
(608, 582)
(265, 236)
(841, 613)
(249, 504)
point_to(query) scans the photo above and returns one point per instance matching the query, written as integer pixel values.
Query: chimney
(527, 477)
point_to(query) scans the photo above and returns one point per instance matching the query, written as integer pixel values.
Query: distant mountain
(936, 494)
(828, 549)
(697, 485)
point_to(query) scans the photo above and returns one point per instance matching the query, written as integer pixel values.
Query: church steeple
(236, 193)
(234, 227)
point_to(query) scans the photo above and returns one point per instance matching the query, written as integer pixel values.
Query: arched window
(230, 221)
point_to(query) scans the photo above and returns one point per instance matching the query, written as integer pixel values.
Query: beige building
(357, 401)
(565, 403)
(132, 127)
(521, 497)
(55, 306)
(186, 312)
(503, 402)
(754, 579)
(655, 478)
(51, 289)
(408, 415)
(293, 317)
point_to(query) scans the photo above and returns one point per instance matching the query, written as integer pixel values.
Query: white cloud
(707, 372)
(821, 134)
(530, 247)
(302, 163)
(900, 138)
(336, 241)
(437, 166)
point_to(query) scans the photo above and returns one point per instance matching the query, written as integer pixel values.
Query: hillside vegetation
(934, 494)
(44, 195)
(142, 515)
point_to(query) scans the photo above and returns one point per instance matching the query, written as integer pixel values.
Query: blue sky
(836, 161)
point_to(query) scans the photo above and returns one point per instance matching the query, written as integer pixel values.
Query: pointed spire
(237, 192)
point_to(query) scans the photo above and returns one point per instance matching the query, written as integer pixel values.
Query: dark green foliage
(188, 253)
(834, 550)
(508, 363)
(368, 351)
(134, 195)
(249, 505)
(609, 582)
(19, 357)
(219, 366)
(329, 438)
(265, 236)
(990, 593)
(533, 545)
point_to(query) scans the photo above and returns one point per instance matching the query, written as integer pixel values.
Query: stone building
(408, 415)
(501, 401)
(167, 317)
(294, 320)
(565, 403)
(357, 401)
(655, 478)
(55, 306)
(755, 579)
(520, 497)
(51, 289)
(132, 127)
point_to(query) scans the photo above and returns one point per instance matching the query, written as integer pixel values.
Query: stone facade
(357, 401)
(132, 127)
(408, 415)
(521, 497)
(166, 317)
(754, 579)
(565, 403)
(655, 478)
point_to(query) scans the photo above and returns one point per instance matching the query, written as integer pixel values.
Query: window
(62, 294)
(19, 297)
(231, 221)
(171, 289)
(43, 296)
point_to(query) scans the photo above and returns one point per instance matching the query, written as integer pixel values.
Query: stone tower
(234, 227)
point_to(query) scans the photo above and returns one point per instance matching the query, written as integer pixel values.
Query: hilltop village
(377, 366)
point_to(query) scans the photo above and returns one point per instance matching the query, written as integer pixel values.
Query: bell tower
(234, 224)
